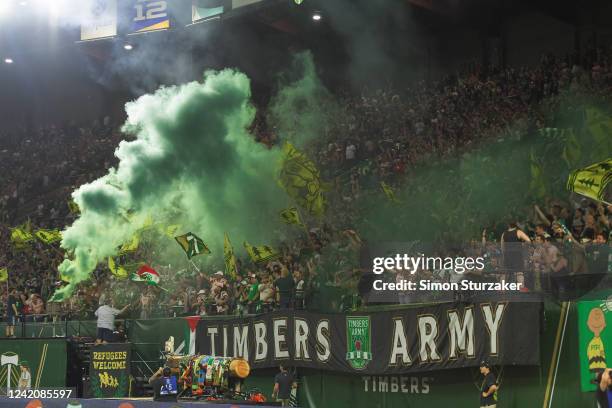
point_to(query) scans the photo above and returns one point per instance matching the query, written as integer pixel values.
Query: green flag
(192, 245)
(261, 253)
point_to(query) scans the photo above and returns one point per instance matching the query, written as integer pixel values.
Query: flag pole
(194, 265)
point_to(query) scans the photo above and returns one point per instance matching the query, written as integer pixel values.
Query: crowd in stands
(382, 135)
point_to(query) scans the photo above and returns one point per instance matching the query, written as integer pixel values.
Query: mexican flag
(147, 274)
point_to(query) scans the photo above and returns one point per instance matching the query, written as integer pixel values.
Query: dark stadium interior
(446, 127)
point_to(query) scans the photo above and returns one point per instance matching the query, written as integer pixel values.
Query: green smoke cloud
(192, 163)
(455, 197)
(303, 107)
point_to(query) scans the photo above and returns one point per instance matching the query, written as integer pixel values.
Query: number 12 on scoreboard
(150, 15)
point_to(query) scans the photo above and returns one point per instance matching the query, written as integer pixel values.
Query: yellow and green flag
(22, 234)
(48, 236)
(571, 150)
(261, 253)
(302, 181)
(591, 181)
(131, 245)
(171, 230)
(73, 207)
(389, 192)
(3, 274)
(118, 270)
(291, 216)
(192, 245)
(599, 124)
(537, 185)
(230, 260)
(123, 271)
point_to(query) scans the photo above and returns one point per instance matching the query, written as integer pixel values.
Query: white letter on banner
(460, 334)
(241, 335)
(301, 339)
(400, 344)
(261, 345)
(428, 330)
(279, 338)
(212, 332)
(493, 323)
(323, 341)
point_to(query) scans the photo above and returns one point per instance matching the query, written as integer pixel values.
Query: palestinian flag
(149, 275)
(192, 245)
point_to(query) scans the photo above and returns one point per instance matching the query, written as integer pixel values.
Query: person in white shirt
(106, 321)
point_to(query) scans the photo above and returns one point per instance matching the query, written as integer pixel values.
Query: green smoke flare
(191, 163)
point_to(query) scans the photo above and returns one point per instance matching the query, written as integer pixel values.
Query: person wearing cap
(199, 307)
(488, 389)
(25, 378)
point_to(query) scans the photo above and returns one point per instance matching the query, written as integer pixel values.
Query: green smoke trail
(192, 163)
(303, 107)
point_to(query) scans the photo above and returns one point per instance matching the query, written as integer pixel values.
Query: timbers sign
(442, 336)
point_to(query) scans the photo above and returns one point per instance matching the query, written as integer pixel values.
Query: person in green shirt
(253, 296)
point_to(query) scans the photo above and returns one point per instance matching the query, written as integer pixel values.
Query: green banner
(44, 358)
(594, 339)
(109, 370)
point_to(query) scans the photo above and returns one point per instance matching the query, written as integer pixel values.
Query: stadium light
(5, 7)
(316, 16)
(23, 3)
(128, 47)
(8, 61)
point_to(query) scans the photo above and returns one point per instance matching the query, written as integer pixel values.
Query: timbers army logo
(358, 341)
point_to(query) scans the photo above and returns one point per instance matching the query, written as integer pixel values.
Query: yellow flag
(131, 245)
(291, 216)
(117, 270)
(301, 180)
(261, 253)
(592, 180)
(389, 192)
(3, 274)
(230, 260)
(48, 236)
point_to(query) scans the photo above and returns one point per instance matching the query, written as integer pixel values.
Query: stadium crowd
(381, 136)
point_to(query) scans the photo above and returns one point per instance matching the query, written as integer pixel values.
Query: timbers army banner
(109, 370)
(442, 336)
